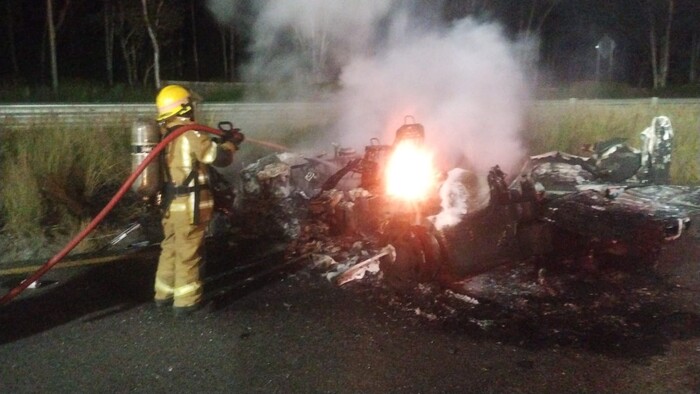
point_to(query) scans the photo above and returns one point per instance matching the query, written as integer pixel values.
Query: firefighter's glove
(229, 146)
(237, 137)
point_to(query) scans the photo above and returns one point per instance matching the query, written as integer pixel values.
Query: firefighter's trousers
(178, 273)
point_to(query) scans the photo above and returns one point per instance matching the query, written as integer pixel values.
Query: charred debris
(340, 209)
(463, 234)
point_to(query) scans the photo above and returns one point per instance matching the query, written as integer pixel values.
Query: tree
(151, 28)
(229, 43)
(109, 30)
(660, 22)
(694, 57)
(139, 23)
(315, 45)
(131, 34)
(163, 19)
(534, 13)
(52, 44)
(52, 29)
(195, 53)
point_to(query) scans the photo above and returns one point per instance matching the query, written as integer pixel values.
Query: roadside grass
(55, 179)
(20, 197)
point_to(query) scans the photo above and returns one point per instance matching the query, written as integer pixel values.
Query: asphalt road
(95, 330)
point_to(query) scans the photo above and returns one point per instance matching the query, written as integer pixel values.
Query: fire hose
(17, 290)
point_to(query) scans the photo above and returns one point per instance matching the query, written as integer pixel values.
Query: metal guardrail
(244, 114)
(650, 101)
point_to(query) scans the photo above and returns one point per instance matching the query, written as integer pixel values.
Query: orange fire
(409, 172)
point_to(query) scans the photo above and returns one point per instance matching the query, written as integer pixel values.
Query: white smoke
(309, 41)
(462, 192)
(464, 82)
(222, 11)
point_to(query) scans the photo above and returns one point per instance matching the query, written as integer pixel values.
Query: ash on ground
(604, 304)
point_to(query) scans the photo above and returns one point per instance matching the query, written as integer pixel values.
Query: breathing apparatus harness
(170, 191)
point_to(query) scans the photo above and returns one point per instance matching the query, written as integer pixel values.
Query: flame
(409, 171)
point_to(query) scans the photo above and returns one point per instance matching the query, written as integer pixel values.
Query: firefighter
(186, 199)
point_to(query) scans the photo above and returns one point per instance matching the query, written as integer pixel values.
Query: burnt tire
(432, 254)
(418, 256)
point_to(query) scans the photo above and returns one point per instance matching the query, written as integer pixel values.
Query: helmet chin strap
(187, 108)
(179, 117)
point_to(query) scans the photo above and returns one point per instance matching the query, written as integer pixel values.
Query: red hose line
(17, 290)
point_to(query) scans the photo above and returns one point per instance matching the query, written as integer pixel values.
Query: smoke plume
(312, 38)
(463, 81)
(463, 84)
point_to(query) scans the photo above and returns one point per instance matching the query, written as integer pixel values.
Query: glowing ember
(409, 172)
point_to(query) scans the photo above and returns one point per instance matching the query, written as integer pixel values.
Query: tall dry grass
(55, 178)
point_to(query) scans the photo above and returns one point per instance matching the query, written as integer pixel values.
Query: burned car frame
(615, 200)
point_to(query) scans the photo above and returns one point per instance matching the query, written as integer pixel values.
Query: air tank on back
(145, 135)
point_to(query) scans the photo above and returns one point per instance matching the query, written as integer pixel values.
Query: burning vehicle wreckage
(390, 214)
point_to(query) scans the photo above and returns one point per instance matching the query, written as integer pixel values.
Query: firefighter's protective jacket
(186, 161)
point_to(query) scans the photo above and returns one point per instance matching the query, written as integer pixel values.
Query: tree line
(115, 41)
(138, 42)
(657, 42)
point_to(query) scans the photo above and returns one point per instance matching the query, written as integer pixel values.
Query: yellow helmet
(174, 100)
